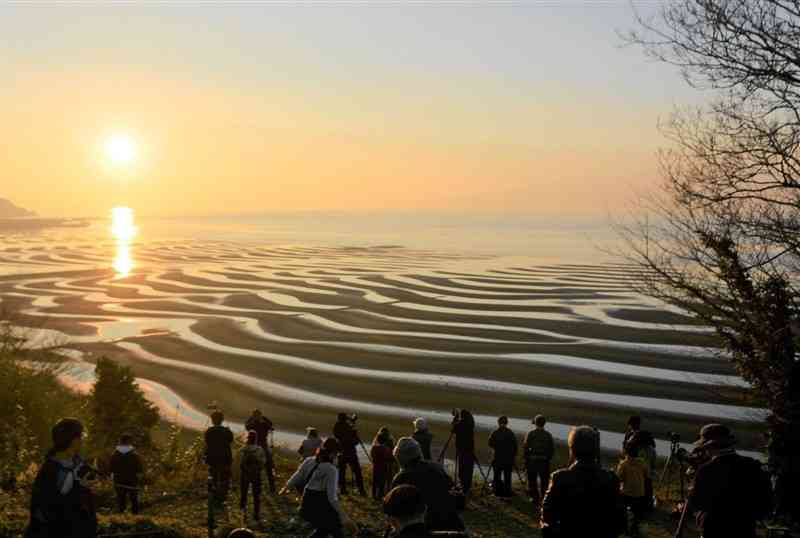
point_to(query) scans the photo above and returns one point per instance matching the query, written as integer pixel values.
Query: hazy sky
(531, 107)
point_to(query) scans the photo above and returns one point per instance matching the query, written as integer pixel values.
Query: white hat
(420, 424)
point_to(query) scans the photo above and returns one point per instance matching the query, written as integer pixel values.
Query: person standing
(583, 499)
(632, 473)
(538, 449)
(504, 444)
(346, 434)
(382, 461)
(731, 493)
(423, 436)
(126, 468)
(219, 456)
(61, 503)
(645, 444)
(464, 431)
(310, 444)
(263, 428)
(251, 462)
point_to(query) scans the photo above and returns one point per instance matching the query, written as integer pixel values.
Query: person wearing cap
(423, 436)
(731, 492)
(61, 503)
(345, 432)
(126, 467)
(538, 449)
(503, 443)
(317, 480)
(219, 456)
(263, 427)
(433, 483)
(251, 462)
(310, 444)
(583, 499)
(405, 508)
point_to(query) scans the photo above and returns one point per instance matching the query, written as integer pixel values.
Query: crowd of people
(730, 492)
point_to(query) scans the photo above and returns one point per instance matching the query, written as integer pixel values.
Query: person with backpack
(126, 468)
(503, 443)
(263, 428)
(317, 481)
(423, 436)
(219, 456)
(632, 473)
(62, 505)
(310, 444)
(538, 450)
(251, 462)
(382, 461)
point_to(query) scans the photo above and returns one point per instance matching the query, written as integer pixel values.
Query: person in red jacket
(382, 462)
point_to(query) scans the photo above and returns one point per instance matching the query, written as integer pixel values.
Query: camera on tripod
(674, 437)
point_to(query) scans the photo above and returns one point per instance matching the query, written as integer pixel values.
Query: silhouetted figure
(433, 483)
(645, 444)
(583, 499)
(464, 430)
(423, 436)
(539, 449)
(382, 461)
(345, 432)
(405, 508)
(219, 456)
(632, 473)
(252, 460)
(310, 444)
(263, 427)
(504, 444)
(61, 504)
(126, 468)
(731, 493)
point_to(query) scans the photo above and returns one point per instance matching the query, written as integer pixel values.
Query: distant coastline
(35, 223)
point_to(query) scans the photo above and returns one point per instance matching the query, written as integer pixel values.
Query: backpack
(251, 465)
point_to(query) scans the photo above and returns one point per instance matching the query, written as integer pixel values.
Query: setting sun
(121, 149)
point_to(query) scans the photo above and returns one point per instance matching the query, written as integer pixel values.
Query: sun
(121, 149)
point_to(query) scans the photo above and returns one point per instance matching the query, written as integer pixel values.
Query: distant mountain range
(8, 210)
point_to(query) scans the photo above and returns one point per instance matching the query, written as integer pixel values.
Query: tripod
(675, 459)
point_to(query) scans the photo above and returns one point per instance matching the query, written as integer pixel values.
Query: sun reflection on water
(124, 230)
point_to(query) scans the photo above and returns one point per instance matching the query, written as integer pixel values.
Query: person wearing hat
(310, 444)
(317, 480)
(583, 499)
(538, 449)
(731, 492)
(219, 456)
(423, 436)
(61, 503)
(503, 443)
(405, 508)
(433, 483)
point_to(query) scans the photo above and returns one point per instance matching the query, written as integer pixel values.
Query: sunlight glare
(123, 229)
(121, 149)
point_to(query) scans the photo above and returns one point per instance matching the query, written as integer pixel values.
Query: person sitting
(219, 456)
(252, 460)
(583, 499)
(423, 436)
(538, 449)
(504, 444)
(405, 509)
(310, 444)
(61, 503)
(317, 480)
(632, 473)
(126, 467)
(382, 461)
(433, 483)
(731, 493)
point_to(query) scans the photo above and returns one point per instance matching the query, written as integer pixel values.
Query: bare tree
(721, 238)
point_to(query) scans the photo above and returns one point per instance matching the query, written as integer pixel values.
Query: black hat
(403, 502)
(715, 436)
(65, 432)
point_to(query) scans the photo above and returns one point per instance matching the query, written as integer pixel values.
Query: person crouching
(126, 467)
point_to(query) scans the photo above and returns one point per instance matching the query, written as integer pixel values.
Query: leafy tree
(118, 406)
(721, 238)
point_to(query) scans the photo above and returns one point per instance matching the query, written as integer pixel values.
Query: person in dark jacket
(433, 483)
(219, 456)
(538, 449)
(583, 499)
(263, 427)
(345, 432)
(405, 508)
(464, 430)
(126, 467)
(423, 436)
(251, 462)
(61, 503)
(382, 461)
(731, 493)
(504, 444)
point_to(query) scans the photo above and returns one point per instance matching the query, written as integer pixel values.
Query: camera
(674, 438)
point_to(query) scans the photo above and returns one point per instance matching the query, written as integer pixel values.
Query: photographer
(263, 427)
(464, 430)
(731, 492)
(346, 434)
